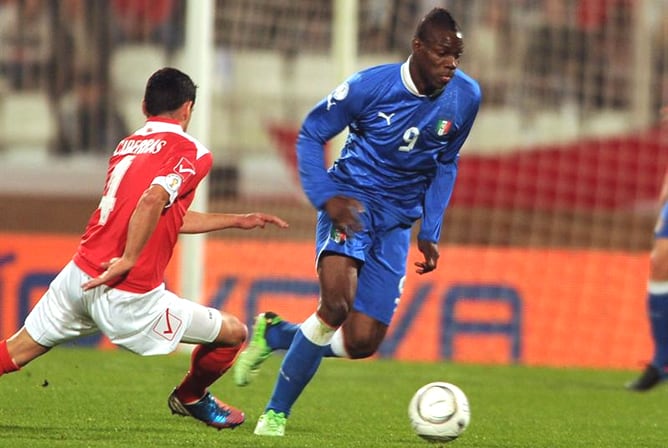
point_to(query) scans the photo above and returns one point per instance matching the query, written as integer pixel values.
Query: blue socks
(658, 316)
(298, 367)
(300, 363)
(279, 336)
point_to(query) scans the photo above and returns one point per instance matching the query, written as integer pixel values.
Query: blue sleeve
(439, 192)
(436, 201)
(325, 121)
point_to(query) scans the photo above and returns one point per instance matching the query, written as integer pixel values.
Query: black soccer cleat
(650, 377)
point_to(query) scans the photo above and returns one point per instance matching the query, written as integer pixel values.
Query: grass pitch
(75, 397)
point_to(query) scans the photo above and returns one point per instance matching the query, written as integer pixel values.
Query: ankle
(7, 363)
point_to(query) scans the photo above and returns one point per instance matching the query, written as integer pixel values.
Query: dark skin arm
(344, 212)
(430, 252)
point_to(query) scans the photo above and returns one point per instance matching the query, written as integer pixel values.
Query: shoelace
(275, 420)
(215, 411)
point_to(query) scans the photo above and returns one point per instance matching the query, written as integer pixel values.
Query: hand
(253, 220)
(430, 252)
(344, 213)
(116, 267)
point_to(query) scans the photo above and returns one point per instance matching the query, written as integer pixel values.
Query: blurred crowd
(526, 53)
(531, 53)
(64, 47)
(542, 53)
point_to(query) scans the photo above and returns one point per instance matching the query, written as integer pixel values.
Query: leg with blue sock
(658, 314)
(336, 348)
(270, 333)
(279, 336)
(657, 303)
(299, 365)
(657, 307)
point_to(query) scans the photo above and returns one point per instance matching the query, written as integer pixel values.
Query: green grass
(117, 399)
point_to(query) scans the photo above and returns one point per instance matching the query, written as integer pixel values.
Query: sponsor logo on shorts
(167, 326)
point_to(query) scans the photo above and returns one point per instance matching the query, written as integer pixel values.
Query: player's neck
(409, 77)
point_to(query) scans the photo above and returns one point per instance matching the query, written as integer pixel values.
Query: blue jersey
(402, 148)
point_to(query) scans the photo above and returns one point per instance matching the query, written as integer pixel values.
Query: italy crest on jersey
(337, 236)
(443, 127)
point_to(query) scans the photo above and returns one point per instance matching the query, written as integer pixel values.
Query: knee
(333, 311)
(658, 265)
(360, 348)
(233, 331)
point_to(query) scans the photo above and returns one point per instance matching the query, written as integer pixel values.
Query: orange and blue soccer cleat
(208, 410)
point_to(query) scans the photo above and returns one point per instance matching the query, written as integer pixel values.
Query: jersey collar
(406, 78)
(162, 124)
(163, 120)
(410, 85)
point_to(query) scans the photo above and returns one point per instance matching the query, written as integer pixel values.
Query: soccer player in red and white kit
(114, 283)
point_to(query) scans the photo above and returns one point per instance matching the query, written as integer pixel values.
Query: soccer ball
(439, 412)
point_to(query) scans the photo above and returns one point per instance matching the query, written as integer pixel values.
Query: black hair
(167, 90)
(437, 17)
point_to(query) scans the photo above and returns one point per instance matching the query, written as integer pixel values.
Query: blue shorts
(382, 248)
(661, 229)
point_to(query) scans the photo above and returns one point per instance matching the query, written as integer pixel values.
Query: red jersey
(160, 153)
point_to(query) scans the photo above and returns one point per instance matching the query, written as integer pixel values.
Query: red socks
(207, 364)
(7, 365)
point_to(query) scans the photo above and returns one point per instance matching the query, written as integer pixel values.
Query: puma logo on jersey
(387, 118)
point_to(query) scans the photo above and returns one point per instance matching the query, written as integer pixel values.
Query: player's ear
(187, 109)
(143, 108)
(416, 44)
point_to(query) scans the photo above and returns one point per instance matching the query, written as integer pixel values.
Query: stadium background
(544, 252)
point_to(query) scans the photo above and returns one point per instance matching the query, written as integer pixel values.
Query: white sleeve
(171, 183)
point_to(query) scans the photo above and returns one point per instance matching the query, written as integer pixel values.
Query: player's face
(435, 60)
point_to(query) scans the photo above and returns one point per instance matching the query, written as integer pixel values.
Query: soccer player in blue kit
(657, 295)
(407, 122)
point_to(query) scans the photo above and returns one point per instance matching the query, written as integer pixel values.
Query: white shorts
(152, 323)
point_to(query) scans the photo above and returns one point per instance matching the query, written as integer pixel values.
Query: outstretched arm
(197, 222)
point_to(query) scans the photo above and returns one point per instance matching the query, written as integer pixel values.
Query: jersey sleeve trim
(171, 183)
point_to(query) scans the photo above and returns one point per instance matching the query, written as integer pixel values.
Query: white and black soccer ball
(439, 412)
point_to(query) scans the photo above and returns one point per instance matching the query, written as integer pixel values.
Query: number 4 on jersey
(108, 201)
